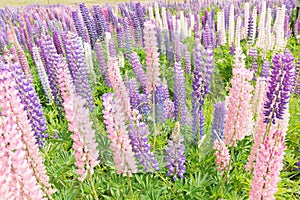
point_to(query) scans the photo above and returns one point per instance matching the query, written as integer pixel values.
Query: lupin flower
(159, 104)
(250, 30)
(139, 71)
(206, 36)
(187, 56)
(114, 120)
(254, 65)
(98, 19)
(51, 59)
(111, 47)
(265, 69)
(231, 26)
(136, 28)
(41, 72)
(261, 25)
(89, 60)
(134, 95)
(280, 86)
(138, 133)
(161, 47)
(119, 87)
(85, 145)
(152, 56)
(57, 43)
(120, 38)
(175, 154)
(297, 85)
(78, 67)
(79, 26)
(77, 114)
(219, 121)
(102, 63)
(26, 175)
(239, 115)
(24, 63)
(32, 105)
(128, 37)
(268, 166)
(260, 127)
(222, 155)
(89, 23)
(201, 87)
(180, 109)
(140, 13)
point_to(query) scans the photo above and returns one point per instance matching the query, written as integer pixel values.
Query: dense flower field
(193, 100)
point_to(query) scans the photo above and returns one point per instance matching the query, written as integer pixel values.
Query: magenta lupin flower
(268, 166)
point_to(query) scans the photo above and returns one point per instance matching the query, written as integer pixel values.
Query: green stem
(130, 186)
(93, 186)
(153, 117)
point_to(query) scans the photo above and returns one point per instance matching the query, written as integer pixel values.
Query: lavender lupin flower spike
(175, 154)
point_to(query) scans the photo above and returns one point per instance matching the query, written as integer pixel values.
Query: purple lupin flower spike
(128, 37)
(280, 85)
(206, 36)
(141, 17)
(78, 68)
(201, 87)
(134, 95)
(32, 104)
(219, 121)
(102, 63)
(100, 28)
(112, 48)
(181, 111)
(79, 26)
(297, 86)
(138, 133)
(159, 40)
(136, 28)
(159, 104)
(120, 38)
(57, 43)
(89, 23)
(265, 69)
(139, 71)
(175, 154)
(177, 47)
(51, 57)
